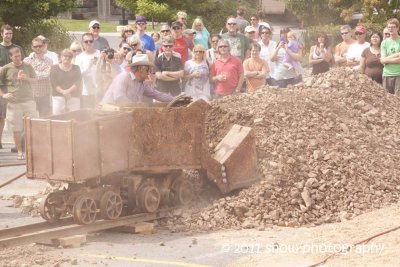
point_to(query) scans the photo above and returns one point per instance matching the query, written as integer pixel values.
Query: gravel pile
(328, 150)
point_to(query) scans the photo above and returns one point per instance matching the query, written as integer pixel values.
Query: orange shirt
(254, 64)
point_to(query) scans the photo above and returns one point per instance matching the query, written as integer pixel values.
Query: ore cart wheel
(111, 205)
(148, 198)
(181, 192)
(48, 208)
(85, 210)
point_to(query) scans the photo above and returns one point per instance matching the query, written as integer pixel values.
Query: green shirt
(388, 48)
(239, 44)
(21, 90)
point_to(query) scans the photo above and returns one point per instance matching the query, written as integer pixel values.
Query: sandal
(20, 157)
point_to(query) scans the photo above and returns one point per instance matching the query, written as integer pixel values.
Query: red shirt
(233, 69)
(181, 47)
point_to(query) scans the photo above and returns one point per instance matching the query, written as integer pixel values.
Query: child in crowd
(294, 46)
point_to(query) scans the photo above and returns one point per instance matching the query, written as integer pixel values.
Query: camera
(109, 52)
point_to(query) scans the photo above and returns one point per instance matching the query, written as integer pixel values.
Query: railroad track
(42, 232)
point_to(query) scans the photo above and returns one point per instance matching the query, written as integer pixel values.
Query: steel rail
(25, 236)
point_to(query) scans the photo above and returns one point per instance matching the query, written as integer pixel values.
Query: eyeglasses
(96, 27)
(37, 46)
(343, 33)
(126, 48)
(359, 33)
(76, 51)
(176, 28)
(168, 46)
(198, 51)
(222, 46)
(165, 31)
(88, 41)
(265, 33)
(231, 23)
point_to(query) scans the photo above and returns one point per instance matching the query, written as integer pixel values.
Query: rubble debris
(327, 150)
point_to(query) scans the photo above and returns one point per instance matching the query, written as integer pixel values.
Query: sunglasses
(134, 45)
(96, 27)
(141, 23)
(168, 46)
(343, 33)
(37, 46)
(232, 23)
(176, 28)
(88, 41)
(165, 31)
(222, 46)
(198, 51)
(127, 48)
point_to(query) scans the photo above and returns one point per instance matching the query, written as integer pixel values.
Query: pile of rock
(328, 150)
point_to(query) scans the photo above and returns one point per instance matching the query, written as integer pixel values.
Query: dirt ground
(276, 246)
(305, 246)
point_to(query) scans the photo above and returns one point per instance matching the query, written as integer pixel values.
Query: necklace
(375, 51)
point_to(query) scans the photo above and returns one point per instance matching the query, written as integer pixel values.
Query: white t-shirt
(265, 54)
(355, 50)
(88, 69)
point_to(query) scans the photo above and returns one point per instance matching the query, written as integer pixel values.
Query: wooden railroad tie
(137, 228)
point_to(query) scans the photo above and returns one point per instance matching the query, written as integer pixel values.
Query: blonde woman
(66, 81)
(125, 33)
(202, 35)
(136, 46)
(196, 75)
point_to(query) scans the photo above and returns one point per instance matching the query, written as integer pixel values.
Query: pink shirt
(232, 69)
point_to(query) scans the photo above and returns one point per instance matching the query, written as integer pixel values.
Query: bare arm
(362, 64)
(240, 83)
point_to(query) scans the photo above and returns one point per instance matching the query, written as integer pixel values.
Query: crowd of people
(180, 58)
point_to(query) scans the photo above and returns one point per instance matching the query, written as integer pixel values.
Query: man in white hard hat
(130, 87)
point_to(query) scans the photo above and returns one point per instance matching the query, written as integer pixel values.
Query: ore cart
(124, 161)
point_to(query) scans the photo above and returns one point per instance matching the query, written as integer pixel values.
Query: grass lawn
(106, 26)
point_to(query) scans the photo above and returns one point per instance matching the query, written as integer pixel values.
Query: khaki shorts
(16, 113)
(392, 84)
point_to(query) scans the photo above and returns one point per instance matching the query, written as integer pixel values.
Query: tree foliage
(319, 12)
(22, 12)
(153, 10)
(314, 12)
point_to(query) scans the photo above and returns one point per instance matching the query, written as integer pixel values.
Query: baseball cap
(141, 19)
(361, 29)
(93, 22)
(189, 31)
(44, 39)
(249, 29)
(176, 24)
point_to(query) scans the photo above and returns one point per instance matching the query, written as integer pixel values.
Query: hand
(197, 74)
(9, 96)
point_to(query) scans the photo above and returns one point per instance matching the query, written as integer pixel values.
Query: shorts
(16, 113)
(60, 105)
(3, 108)
(392, 84)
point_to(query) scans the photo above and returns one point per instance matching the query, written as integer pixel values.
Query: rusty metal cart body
(127, 160)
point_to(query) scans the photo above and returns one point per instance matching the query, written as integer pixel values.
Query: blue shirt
(147, 43)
